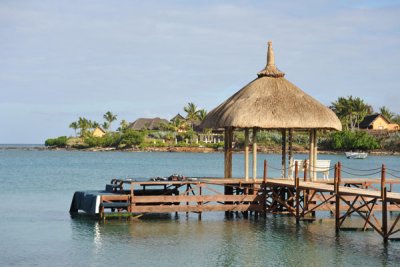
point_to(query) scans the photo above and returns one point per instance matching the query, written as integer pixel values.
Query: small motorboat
(356, 155)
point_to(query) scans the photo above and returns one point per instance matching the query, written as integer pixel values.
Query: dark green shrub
(349, 140)
(131, 138)
(56, 142)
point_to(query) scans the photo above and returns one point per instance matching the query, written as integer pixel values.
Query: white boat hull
(356, 155)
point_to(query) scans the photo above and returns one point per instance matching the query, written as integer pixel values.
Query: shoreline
(182, 150)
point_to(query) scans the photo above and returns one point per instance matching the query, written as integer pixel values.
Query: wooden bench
(322, 166)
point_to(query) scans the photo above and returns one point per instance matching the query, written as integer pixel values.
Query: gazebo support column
(284, 170)
(246, 154)
(290, 158)
(311, 156)
(254, 153)
(315, 152)
(228, 152)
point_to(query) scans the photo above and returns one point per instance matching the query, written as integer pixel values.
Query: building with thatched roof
(177, 117)
(377, 122)
(148, 124)
(270, 102)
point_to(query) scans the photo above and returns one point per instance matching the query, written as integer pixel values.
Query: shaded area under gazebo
(270, 102)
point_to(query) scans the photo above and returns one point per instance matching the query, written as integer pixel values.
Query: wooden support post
(384, 216)
(187, 203)
(254, 153)
(383, 179)
(265, 171)
(305, 194)
(265, 189)
(284, 171)
(297, 183)
(228, 152)
(200, 203)
(305, 167)
(246, 154)
(337, 199)
(384, 204)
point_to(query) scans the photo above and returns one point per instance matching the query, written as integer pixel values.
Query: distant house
(98, 132)
(378, 122)
(177, 117)
(147, 124)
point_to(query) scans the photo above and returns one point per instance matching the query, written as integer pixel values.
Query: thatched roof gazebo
(270, 102)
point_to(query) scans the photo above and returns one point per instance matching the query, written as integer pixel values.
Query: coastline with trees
(183, 134)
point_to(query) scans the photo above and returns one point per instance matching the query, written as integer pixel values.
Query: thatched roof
(272, 102)
(177, 117)
(147, 124)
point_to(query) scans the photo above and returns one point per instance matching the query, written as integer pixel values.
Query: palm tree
(74, 125)
(351, 111)
(191, 113)
(387, 113)
(83, 125)
(109, 117)
(201, 114)
(105, 125)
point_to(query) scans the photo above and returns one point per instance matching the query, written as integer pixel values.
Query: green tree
(74, 125)
(131, 138)
(387, 113)
(105, 125)
(123, 126)
(201, 114)
(396, 119)
(351, 111)
(191, 112)
(84, 125)
(109, 117)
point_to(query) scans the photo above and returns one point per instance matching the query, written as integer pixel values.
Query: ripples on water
(36, 228)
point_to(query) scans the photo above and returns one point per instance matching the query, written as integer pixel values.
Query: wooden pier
(372, 199)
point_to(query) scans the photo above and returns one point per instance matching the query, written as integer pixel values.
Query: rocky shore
(183, 149)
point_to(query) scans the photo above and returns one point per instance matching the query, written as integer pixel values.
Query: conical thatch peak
(272, 102)
(270, 69)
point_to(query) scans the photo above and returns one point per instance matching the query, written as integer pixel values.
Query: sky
(61, 60)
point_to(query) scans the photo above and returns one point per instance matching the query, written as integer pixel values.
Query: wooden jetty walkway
(371, 199)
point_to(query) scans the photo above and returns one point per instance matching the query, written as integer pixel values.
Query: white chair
(322, 166)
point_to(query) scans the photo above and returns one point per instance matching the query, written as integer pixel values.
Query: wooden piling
(264, 187)
(384, 216)
(337, 199)
(297, 190)
(384, 204)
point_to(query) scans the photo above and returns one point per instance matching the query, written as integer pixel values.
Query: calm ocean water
(36, 229)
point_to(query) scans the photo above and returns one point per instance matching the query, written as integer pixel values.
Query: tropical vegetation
(183, 132)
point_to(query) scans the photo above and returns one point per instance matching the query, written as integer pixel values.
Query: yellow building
(378, 122)
(98, 132)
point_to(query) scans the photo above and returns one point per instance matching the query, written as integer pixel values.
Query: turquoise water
(36, 229)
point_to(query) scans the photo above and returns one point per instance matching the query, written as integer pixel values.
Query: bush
(56, 142)
(92, 141)
(348, 140)
(214, 145)
(391, 143)
(131, 138)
